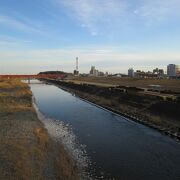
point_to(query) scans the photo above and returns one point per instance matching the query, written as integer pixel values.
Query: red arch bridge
(33, 76)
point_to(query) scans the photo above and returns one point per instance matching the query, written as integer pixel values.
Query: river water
(117, 148)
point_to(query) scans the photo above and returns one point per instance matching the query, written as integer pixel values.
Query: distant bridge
(33, 76)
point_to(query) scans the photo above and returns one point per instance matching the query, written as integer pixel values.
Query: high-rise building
(131, 72)
(171, 70)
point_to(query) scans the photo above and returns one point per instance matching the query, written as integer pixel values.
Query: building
(100, 73)
(142, 74)
(131, 72)
(76, 73)
(178, 70)
(171, 70)
(158, 71)
(106, 74)
(93, 71)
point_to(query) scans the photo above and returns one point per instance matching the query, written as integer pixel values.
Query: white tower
(76, 72)
(76, 63)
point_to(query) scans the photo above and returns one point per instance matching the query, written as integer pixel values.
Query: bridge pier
(29, 80)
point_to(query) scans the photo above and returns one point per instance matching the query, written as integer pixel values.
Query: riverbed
(114, 146)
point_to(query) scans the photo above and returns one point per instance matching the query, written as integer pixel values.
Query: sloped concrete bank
(132, 105)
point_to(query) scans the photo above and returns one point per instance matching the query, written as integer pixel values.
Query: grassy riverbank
(26, 149)
(151, 110)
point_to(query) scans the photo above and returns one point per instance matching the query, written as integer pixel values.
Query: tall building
(171, 70)
(131, 72)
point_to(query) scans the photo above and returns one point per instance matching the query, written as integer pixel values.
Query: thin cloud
(94, 15)
(104, 16)
(16, 24)
(157, 10)
(8, 40)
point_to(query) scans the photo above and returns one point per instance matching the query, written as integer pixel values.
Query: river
(117, 148)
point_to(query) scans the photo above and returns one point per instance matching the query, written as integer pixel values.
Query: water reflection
(117, 148)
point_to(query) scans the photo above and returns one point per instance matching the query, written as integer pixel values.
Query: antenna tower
(76, 63)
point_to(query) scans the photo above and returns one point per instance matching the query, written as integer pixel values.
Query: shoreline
(59, 133)
(80, 95)
(31, 153)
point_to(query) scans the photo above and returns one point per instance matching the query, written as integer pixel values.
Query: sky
(113, 35)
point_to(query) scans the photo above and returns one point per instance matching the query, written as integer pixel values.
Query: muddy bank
(26, 149)
(153, 111)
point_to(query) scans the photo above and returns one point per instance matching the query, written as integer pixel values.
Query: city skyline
(112, 35)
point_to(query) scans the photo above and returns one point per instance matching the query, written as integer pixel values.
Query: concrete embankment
(149, 110)
(26, 149)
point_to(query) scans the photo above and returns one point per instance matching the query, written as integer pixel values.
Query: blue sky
(113, 35)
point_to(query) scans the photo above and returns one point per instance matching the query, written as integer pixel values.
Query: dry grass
(9, 84)
(21, 156)
(171, 84)
(14, 96)
(67, 172)
(42, 138)
(26, 149)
